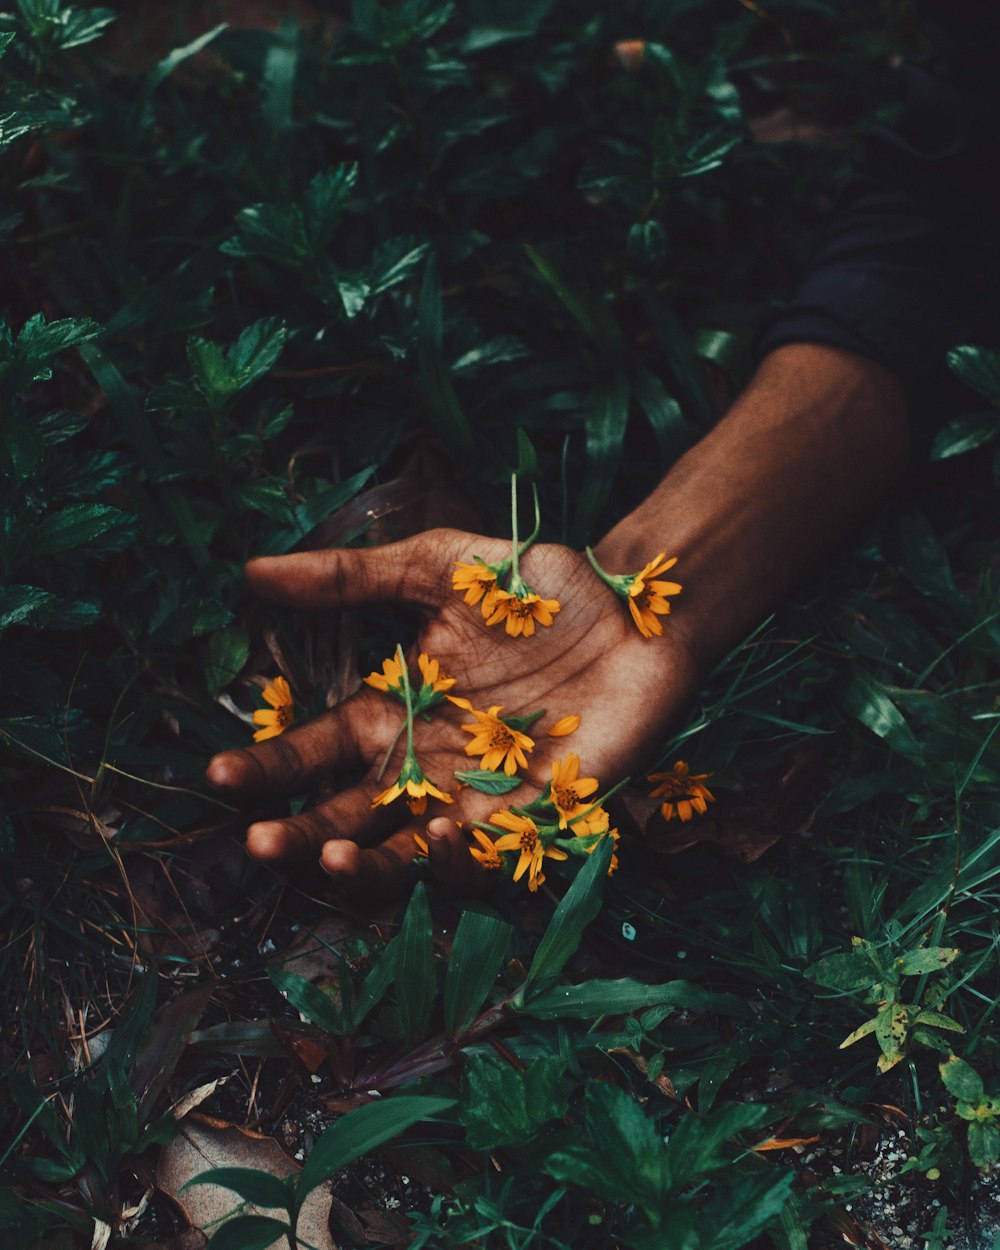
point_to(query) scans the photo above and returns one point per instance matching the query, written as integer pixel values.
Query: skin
(811, 447)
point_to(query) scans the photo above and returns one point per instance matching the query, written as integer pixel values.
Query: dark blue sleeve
(911, 264)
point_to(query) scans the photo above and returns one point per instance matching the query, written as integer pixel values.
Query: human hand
(591, 661)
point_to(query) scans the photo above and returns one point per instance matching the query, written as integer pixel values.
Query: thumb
(416, 571)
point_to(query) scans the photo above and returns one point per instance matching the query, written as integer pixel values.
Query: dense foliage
(334, 280)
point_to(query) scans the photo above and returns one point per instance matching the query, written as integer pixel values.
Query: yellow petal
(565, 725)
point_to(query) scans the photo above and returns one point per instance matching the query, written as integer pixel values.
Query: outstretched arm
(809, 449)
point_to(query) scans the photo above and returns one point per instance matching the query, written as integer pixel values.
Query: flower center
(283, 715)
(529, 840)
(566, 798)
(642, 598)
(501, 738)
(519, 608)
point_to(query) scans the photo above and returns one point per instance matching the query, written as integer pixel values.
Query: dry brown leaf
(197, 1148)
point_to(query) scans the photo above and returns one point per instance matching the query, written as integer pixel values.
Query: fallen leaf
(197, 1148)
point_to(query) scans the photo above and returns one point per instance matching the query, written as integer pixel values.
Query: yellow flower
(411, 782)
(567, 792)
(496, 742)
(646, 595)
(524, 837)
(422, 849)
(566, 725)
(683, 791)
(390, 680)
(474, 579)
(595, 842)
(519, 613)
(485, 852)
(434, 680)
(275, 721)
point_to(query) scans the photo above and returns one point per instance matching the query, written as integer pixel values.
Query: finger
(375, 874)
(414, 571)
(345, 815)
(294, 759)
(452, 864)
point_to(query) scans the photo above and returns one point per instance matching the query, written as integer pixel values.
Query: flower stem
(515, 554)
(408, 698)
(538, 523)
(619, 583)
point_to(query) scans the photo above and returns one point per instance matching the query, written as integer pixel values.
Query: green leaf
(226, 652)
(861, 1031)
(938, 1020)
(481, 941)
(308, 999)
(261, 1188)
(630, 1164)
(591, 999)
(21, 604)
(310, 513)
(606, 419)
(984, 1143)
(965, 433)
(696, 1146)
(577, 908)
(414, 979)
(978, 367)
(488, 782)
(962, 1080)
(248, 1232)
(846, 971)
(165, 67)
(595, 320)
(504, 1106)
(867, 700)
(256, 350)
(666, 419)
(81, 524)
(361, 1131)
(890, 1032)
(436, 386)
(927, 959)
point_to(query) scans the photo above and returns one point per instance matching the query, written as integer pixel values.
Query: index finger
(348, 735)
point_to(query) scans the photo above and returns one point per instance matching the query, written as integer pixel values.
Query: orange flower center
(283, 715)
(565, 797)
(519, 609)
(643, 598)
(529, 840)
(501, 738)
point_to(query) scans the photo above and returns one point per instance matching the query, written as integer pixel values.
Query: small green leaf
(248, 1232)
(860, 1032)
(927, 959)
(938, 1020)
(505, 1106)
(591, 999)
(476, 954)
(965, 433)
(488, 782)
(845, 971)
(869, 701)
(978, 367)
(577, 908)
(984, 1143)
(260, 1188)
(361, 1131)
(225, 654)
(308, 999)
(414, 979)
(961, 1079)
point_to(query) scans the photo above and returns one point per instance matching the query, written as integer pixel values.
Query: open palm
(591, 661)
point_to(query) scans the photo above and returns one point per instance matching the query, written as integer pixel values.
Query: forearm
(809, 449)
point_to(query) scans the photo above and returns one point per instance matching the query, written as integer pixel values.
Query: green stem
(408, 698)
(618, 583)
(515, 554)
(538, 522)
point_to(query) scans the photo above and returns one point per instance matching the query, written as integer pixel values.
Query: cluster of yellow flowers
(565, 819)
